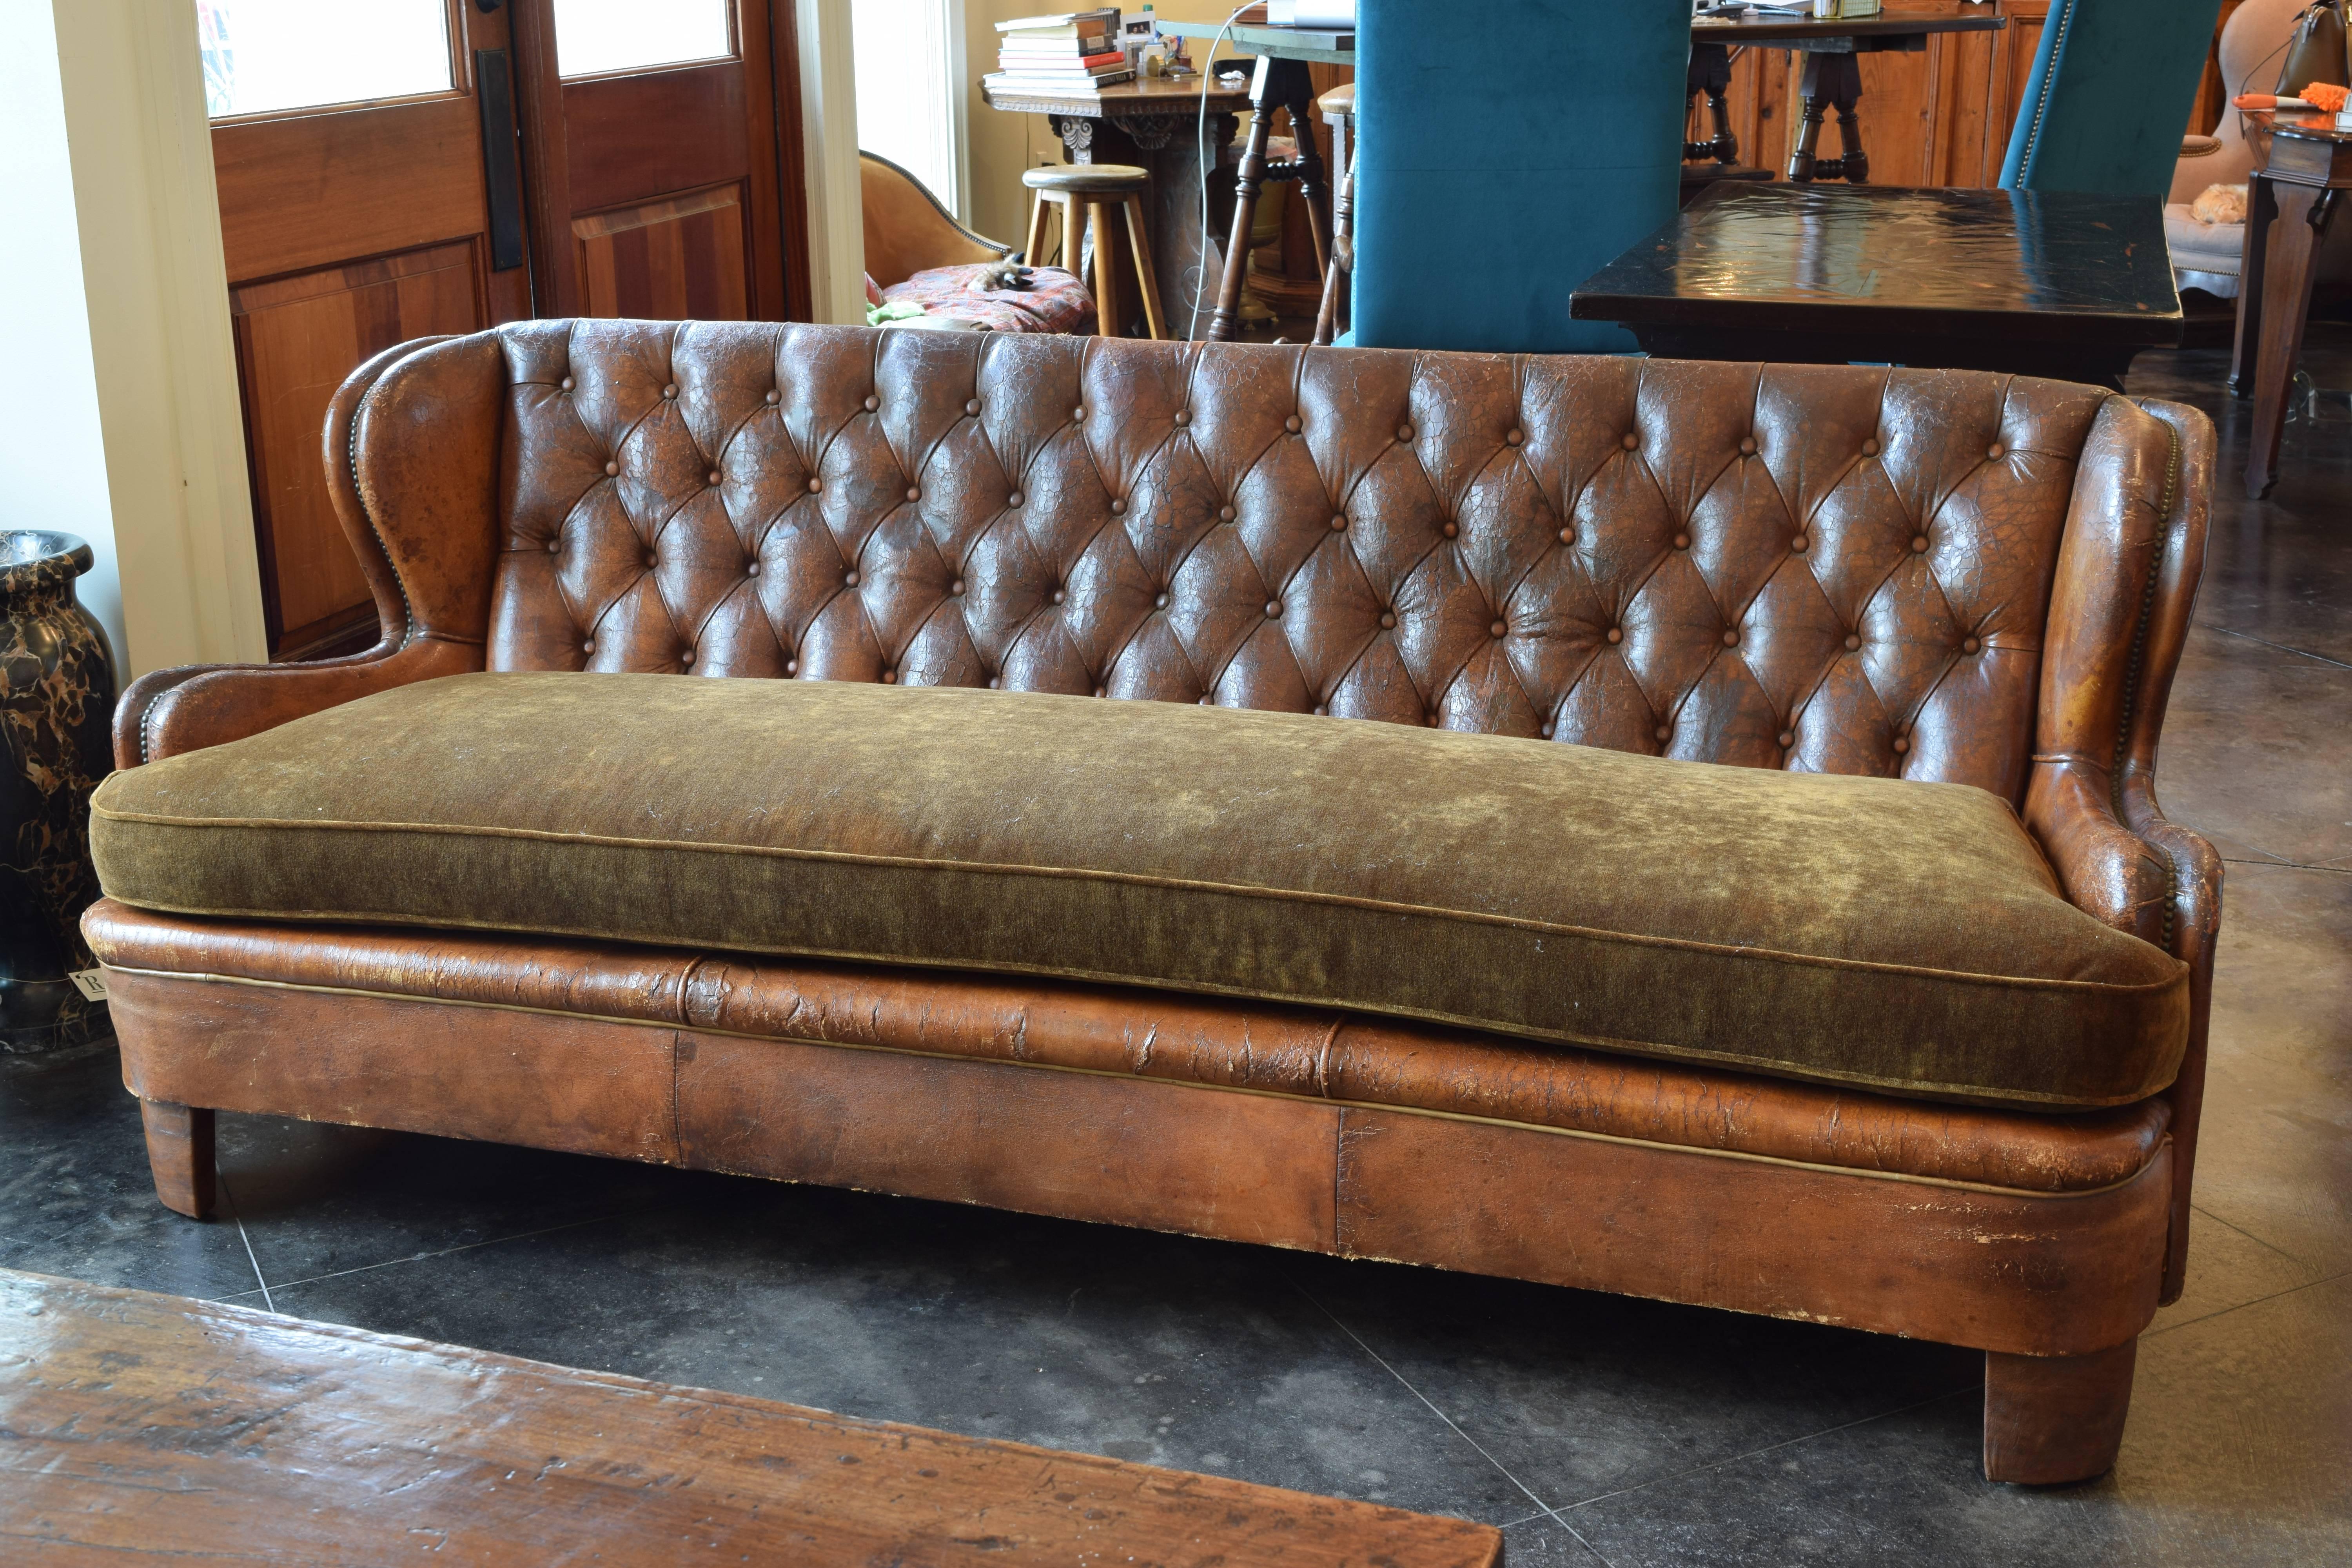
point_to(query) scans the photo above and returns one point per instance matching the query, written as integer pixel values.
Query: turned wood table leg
(2049, 1419)
(2303, 212)
(1226, 321)
(179, 1153)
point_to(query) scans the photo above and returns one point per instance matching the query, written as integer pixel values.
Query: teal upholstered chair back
(1508, 151)
(2109, 97)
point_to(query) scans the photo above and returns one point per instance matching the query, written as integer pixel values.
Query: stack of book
(1065, 53)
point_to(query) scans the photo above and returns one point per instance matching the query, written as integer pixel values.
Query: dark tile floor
(1594, 1429)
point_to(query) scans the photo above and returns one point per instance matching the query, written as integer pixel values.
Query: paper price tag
(91, 983)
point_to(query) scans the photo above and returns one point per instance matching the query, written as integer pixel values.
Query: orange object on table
(2324, 95)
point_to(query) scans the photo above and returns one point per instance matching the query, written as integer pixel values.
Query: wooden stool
(1337, 108)
(1277, 84)
(1095, 188)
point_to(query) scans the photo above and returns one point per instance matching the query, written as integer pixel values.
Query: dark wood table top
(1888, 24)
(138, 1427)
(2029, 264)
(1143, 99)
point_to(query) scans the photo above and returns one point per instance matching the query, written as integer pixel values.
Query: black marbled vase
(57, 703)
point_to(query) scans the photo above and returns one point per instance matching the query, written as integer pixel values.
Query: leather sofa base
(2011, 1271)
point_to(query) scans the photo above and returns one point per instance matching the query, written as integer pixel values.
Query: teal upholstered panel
(1509, 149)
(2109, 95)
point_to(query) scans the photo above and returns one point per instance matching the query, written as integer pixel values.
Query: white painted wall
(119, 418)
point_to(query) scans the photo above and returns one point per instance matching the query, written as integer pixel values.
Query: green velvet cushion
(1902, 936)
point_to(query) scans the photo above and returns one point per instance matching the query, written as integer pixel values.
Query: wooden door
(357, 213)
(653, 146)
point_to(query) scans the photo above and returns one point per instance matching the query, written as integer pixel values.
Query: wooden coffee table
(2038, 282)
(137, 1425)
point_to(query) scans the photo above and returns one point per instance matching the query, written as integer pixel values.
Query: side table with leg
(2300, 186)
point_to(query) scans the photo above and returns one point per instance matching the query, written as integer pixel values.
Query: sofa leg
(180, 1151)
(2049, 1419)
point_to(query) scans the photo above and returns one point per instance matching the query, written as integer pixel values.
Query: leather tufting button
(956, 587)
(612, 469)
(1079, 414)
(1902, 744)
(1548, 729)
(685, 659)
(1748, 445)
(889, 678)
(1666, 731)
(1516, 438)
(1226, 514)
(1919, 544)
(972, 405)
(1273, 608)
(1800, 544)
(914, 492)
(1852, 642)
(1183, 417)
(995, 682)
(567, 384)
(589, 647)
(751, 569)
(1207, 701)
(774, 396)
(555, 545)
(792, 667)
(1339, 525)
(1451, 529)
(816, 485)
(1788, 738)
(670, 390)
(1291, 424)
(1321, 711)
(1012, 499)
(717, 477)
(1616, 635)
(1388, 620)
(1159, 601)
(1498, 630)
(1118, 507)
(1994, 451)
(1632, 442)
(1404, 432)
(652, 560)
(1730, 637)
(1970, 646)
(1681, 541)
(1870, 448)
(1057, 595)
(1102, 690)
(1434, 718)
(1568, 536)
(851, 577)
(872, 403)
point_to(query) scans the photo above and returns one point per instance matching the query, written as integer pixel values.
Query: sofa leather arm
(412, 450)
(182, 709)
(2106, 869)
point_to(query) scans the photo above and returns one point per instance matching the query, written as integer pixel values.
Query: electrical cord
(1201, 151)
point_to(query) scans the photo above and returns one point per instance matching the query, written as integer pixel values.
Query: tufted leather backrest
(1832, 568)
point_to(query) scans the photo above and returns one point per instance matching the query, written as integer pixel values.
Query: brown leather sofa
(1898, 1023)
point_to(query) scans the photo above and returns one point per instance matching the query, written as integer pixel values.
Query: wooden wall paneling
(2214, 94)
(682, 258)
(296, 338)
(792, 158)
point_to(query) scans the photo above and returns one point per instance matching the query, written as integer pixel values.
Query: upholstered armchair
(917, 254)
(2111, 87)
(2207, 255)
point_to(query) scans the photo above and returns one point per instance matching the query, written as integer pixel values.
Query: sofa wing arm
(2106, 869)
(174, 710)
(412, 450)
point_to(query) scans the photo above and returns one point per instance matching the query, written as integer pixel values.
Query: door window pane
(263, 56)
(593, 36)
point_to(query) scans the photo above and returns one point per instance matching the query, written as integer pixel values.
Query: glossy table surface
(142, 1426)
(2026, 264)
(1887, 24)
